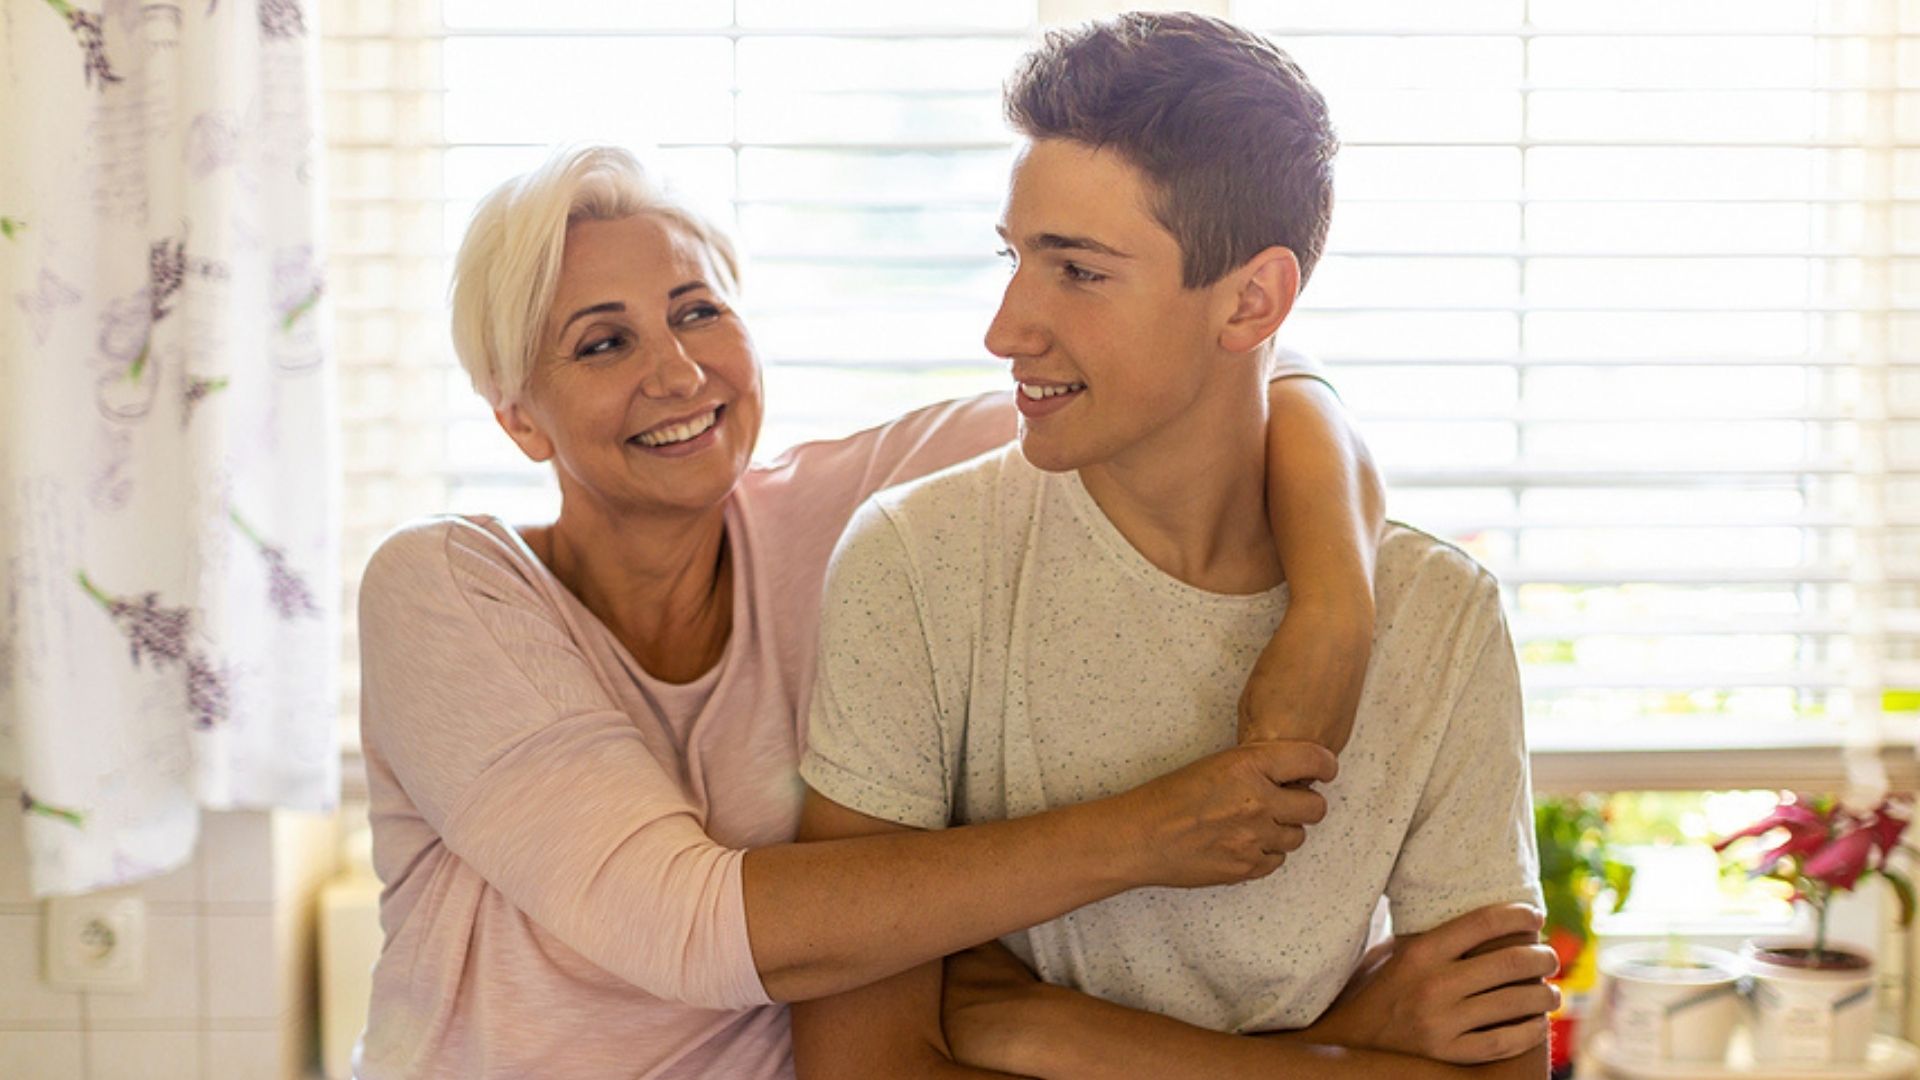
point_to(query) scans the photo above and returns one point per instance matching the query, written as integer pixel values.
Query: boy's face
(1095, 318)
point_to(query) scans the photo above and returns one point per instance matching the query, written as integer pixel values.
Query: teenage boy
(1073, 615)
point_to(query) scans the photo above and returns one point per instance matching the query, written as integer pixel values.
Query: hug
(1099, 727)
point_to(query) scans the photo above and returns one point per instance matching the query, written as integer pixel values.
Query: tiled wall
(229, 991)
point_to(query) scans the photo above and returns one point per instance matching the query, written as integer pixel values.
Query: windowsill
(1716, 755)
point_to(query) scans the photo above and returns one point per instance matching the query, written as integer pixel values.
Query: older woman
(581, 737)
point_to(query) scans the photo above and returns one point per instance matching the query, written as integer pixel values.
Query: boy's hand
(1306, 684)
(988, 1009)
(1469, 992)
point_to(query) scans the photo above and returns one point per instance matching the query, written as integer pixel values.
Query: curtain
(169, 621)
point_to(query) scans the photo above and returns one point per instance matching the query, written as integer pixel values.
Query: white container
(1806, 1015)
(1671, 1005)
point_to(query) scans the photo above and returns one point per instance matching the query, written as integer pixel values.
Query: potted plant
(1575, 868)
(1813, 1001)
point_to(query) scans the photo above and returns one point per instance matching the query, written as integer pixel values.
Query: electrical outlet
(96, 942)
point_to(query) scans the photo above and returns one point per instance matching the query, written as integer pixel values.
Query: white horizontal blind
(1619, 291)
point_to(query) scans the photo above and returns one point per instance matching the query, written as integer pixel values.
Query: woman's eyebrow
(597, 309)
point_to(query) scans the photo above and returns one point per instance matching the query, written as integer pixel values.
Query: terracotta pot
(1807, 1009)
(1671, 1005)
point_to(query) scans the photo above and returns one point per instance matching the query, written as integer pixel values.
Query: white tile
(25, 998)
(244, 1055)
(243, 967)
(143, 1055)
(236, 857)
(41, 1055)
(178, 888)
(172, 990)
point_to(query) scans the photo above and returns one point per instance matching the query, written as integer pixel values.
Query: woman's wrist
(1056, 1030)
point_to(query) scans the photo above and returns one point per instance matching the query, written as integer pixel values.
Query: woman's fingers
(1503, 967)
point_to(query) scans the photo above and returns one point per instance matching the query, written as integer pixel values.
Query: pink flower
(1842, 862)
(1801, 824)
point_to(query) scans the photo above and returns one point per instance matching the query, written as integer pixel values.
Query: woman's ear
(533, 442)
(1263, 291)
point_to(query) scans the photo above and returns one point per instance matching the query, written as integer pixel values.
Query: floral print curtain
(168, 534)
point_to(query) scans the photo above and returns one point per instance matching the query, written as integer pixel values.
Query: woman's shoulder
(446, 550)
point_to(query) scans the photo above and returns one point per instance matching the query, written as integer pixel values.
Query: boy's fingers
(1466, 934)
(1498, 1044)
(1293, 761)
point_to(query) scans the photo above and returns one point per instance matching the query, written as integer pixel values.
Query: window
(1621, 293)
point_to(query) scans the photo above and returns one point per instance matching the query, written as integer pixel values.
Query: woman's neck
(663, 585)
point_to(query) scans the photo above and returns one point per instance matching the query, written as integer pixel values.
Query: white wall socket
(96, 942)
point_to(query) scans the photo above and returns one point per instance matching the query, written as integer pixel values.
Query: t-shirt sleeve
(1471, 842)
(875, 741)
(502, 738)
(834, 477)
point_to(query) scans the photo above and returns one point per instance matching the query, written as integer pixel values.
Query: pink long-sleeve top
(560, 834)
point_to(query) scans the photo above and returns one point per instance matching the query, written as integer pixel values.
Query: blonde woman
(582, 736)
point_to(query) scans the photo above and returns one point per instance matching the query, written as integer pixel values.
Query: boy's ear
(533, 442)
(1262, 294)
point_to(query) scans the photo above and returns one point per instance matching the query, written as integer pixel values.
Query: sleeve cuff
(863, 795)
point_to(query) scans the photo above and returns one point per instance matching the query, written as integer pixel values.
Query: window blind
(1622, 293)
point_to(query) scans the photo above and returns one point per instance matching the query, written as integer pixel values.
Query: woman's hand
(1468, 992)
(1229, 817)
(991, 1010)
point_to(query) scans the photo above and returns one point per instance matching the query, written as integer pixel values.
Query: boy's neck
(1191, 496)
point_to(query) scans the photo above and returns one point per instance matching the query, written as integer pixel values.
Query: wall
(229, 992)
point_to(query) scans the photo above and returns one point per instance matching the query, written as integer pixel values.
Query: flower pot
(1807, 1011)
(1673, 1005)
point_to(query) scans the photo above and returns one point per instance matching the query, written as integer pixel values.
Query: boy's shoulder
(970, 497)
(1427, 586)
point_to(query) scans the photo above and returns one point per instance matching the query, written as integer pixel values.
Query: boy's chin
(1052, 455)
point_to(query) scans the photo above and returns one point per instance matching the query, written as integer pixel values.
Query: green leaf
(11, 227)
(1903, 888)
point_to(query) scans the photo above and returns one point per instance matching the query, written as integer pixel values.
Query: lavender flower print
(196, 391)
(286, 590)
(159, 632)
(207, 697)
(31, 805)
(282, 19)
(93, 44)
(296, 285)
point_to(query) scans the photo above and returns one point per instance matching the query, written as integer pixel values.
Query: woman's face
(645, 390)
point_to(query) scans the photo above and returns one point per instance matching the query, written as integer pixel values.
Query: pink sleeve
(504, 740)
(834, 477)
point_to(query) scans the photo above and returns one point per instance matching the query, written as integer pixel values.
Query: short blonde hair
(509, 263)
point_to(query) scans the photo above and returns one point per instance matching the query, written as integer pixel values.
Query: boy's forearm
(1080, 1037)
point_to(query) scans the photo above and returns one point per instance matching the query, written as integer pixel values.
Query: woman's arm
(1326, 506)
(501, 739)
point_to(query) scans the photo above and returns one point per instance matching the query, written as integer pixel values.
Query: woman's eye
(697, 313)
(600, 346)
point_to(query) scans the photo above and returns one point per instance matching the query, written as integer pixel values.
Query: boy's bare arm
(997, 1014)
(1326, 506)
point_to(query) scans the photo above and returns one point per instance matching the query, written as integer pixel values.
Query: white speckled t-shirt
(993, 647)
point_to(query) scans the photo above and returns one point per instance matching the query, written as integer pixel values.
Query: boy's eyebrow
(1059, 242)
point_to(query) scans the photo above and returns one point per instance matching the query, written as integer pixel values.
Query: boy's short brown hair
(1235, 140)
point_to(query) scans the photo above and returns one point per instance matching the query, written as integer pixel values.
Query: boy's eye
(1007, 254)
(1076, 272)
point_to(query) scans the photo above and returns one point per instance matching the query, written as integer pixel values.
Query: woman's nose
(671, 372)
